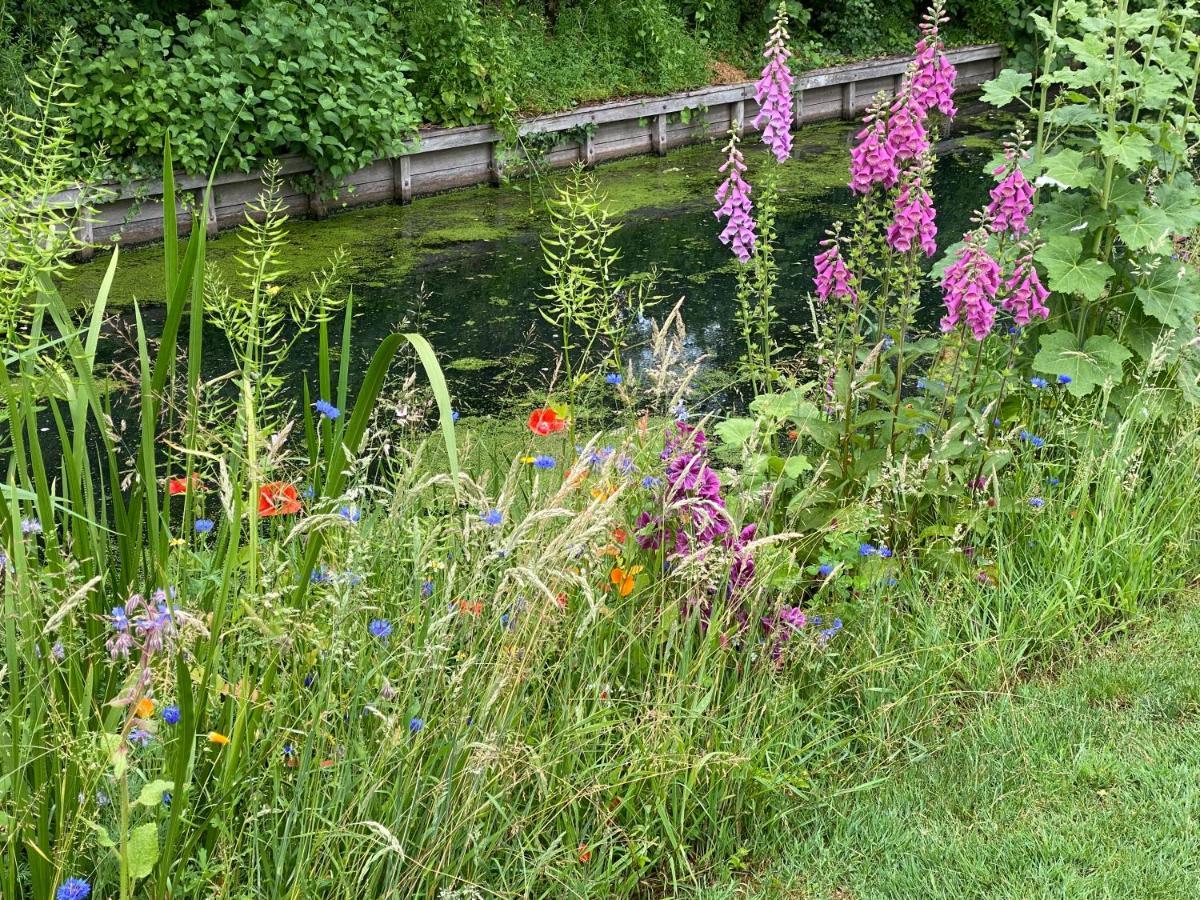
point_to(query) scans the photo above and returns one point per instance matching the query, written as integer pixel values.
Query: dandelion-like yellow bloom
(215, 737)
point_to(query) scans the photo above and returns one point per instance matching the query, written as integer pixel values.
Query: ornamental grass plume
(833, 278)
(931, 76)
(969, 286)
(734, 197)
(914, 220)
(773, 92)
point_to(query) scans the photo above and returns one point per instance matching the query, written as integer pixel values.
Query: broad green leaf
(1170, 294)
(788, 405)
(152, 792)
(1069, 271)
(1129, 148)
(1006, 87)
(1068, 169)
(1180, 203)
(736, 431)
(1098, 361)
(796, 465)
(102, 836)
(1074, 115)
(1074, 213)
(1144, 228)
(142, 850)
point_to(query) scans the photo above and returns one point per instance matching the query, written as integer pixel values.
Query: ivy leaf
(1170, 295)
(1069, 272)
(1130, 148)
(1144, 227)
(1098, 361)
(1006, 87)
(142, 850)
(1068, 169)
(152, 792)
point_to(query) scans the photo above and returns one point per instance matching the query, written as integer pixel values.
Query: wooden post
(897, 83)
(737, 115)
(799, 106)
(588, 149)
(402, 179)
(85, 235)
(316, 206)
(210, 212)
(848, 100)
(658, 134)
(493, 164)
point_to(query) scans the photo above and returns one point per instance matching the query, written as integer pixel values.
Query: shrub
(319, 80)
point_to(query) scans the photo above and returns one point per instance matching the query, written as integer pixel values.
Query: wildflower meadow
(269, 635)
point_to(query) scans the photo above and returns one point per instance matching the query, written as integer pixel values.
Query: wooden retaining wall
(447, 158)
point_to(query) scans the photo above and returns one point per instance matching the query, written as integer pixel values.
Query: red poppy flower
(277, 498)
(585, 854)
(181, 485)
(545, 421)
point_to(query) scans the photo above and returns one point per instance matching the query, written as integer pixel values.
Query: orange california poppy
(278, 498)
(145, 708)
(545, 421)
(180, 485)
(215, 737)
(624, 579)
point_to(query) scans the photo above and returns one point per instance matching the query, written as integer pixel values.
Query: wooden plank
(658, 134)
(848, 100)
(402, 189)
(737, 117)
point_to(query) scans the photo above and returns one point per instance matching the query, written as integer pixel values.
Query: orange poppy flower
(181, 485)
(624, 579)
(545, 421)
(474, 609)
(585, 854)
(278, 498)
(215, 737)
(561, 600)
(144, 708)
(619, 535)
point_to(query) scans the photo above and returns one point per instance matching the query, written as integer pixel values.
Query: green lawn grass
(1085, 784)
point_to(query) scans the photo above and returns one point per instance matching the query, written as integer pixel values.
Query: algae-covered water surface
(465, 268)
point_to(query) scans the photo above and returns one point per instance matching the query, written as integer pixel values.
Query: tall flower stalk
(773, 91)
(735, 206)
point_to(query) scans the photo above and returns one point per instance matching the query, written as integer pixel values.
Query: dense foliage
(344, 81)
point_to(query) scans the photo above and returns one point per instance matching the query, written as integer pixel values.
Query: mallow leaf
(1006, 87)
(1068, 168)
(1144, 228)
(1068, 271)
(1098, 361)
(1170, 294)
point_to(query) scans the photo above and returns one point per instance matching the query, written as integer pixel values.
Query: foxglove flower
(1026, 297)
(914, 220)
(734, 197)
(833, 279)
(773, 92)
(931, 76)
(1012, 201)
(906, 135)
(873, 159)
(969, 286)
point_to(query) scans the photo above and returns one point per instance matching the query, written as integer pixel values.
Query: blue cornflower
(1037, 502)
(380, 628)
(140, 736)
(891, 581)
(350, 514)
(426, 588)
(58, 651)
(542, 461)
(1064, 379)
(454, 415)
(1038, 383)
(204, 526)
(1052, 481)
(289, 751)
(166, 798)
(171, 714)
(613, 378)
(327, 409)
(310, 679)
(825, 570)
(650, 482)
(885, 552)
(31, 526)
(867, 550)
(415, 724)
(922, 384)
(492, 517)
(320, 575)
(73, 889)
(1037, 442)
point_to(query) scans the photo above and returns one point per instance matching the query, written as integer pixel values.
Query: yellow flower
(178, 542)
(215, 737)
(144, 708)
(528, 460)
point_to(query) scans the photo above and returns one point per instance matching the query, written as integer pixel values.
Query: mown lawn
(1085, 784)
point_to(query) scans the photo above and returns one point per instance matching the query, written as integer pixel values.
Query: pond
(465, 268)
